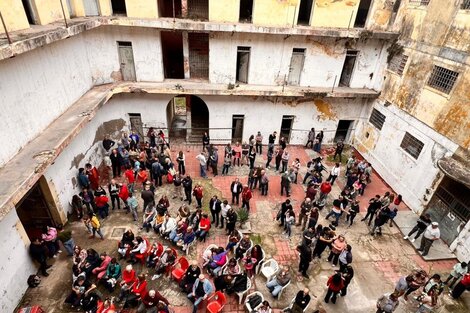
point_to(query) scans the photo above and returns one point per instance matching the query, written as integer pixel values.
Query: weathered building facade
(231, 67)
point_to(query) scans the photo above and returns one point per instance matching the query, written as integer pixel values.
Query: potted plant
(243, 216)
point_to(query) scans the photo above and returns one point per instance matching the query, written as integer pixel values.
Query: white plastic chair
(225, 266)
(292, 304)
(247, 305)
(209, 247)
(189, 246)
(260, 263)
(282, 289)
(269, 269)
(241, 294)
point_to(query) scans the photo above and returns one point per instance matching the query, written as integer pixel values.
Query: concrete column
(187, 73)
(188, 117)
(184, 8)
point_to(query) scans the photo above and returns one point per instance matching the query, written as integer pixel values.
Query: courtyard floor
(378, 261)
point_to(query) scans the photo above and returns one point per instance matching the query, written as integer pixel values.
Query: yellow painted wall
(48, 11)
(275, 12)
(13, 15)
(105, 7)
(142, 8)
(224, 11)
(78, 7)
(334, 13)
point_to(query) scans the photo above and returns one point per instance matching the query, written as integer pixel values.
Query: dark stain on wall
(112, 127)
(76, 160)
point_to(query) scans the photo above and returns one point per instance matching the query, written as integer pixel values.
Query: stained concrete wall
(16, 263)
(407, 176)
(271, 55)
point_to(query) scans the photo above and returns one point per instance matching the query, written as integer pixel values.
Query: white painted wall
(461, 245)
(17, 265)
(407, 176)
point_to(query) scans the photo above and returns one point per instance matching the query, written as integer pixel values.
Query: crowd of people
(146, 164)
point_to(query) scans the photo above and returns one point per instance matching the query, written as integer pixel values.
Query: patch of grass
(256, 238)
(345, 156)
(209, 191)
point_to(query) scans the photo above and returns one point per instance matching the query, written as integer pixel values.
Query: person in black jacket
(188, 188)
(239, 284)
(231, 220)
(116, 160)
(107, 143)
(215, 207)
(38, 252)
(301, 301)
(348, 274)
(305, 258)
(113, 189)
(236, 189)
(192, 273)
(374, 205)
(285, 206)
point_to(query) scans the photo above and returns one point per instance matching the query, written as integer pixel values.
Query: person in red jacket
(106, 307)
(150, 301)
(124, 194)
(142, 177)
(464, 284)
(246, 196)
(325, 189)
(102, 205)
(204, 227)
(138, 290)
(335, 284)
(93, 176)
(129, 173)
(128, 279)
(197, 193)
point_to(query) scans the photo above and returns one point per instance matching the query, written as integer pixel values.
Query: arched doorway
(187, 118)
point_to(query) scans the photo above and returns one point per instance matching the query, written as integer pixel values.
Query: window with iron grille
(420, 2)
(398, 63)
(442, 79)
(377, 119)
(465, 5)
(411, 145)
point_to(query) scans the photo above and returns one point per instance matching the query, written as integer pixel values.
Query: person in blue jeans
(202, 289)
(336, 210)
(202, 164)
(280, 280)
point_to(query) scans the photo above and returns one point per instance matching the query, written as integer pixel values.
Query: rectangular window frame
(465, 5)
(377, 119)
(398, 63)
(420, 2)
(442, 79)
(410, 141)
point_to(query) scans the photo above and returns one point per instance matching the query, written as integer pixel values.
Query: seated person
(218, 260)
(106, 306)
(233, 238)
(177, 233)
(190, 276)
(302, 299)
(207, 255)
(264, 308)
(168, 225)
(202, 289)
(139, 289)
(92, 261)
(150, 302)
(167, 259)
(257, 254)
(126, 243)
(239, 283)
(203, 228)
(153, 256)
(187, 239)
(243, 246)
(148, 219)
(222, 282)
(282, 278)
(100, 271)
(195, 218)
(113, 272)
(80, 289)
(140, 247)
(232, 268)
(183, 212)
(128, 279)
(159, 219)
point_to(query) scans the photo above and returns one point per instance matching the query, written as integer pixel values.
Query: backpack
(33, 281)
(254, 301)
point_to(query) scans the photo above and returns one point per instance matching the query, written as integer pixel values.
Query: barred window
(411, 145)
(420, 2)
(442, 79)
(465, 5)
(377, 119)
(398, 63)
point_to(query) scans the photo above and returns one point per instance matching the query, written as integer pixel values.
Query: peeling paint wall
(14, 15)
(142, 8)
(270, 60)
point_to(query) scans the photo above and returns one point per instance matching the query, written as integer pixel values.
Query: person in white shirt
(431, 234)
(334, 173)
(223, 212)
(202, 164)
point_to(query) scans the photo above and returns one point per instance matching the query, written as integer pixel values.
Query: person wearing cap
(431, 234)
(202, 289)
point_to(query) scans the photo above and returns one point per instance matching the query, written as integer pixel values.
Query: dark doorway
(34, 209)
(237, 128)
(198, 55)
(119, 7)
(169, 8)
(172, 49)
(362, 12)
(343, 130)
(136, 124)
(29, 11)
(305, 11)
(246, 11)
(198, 9)
(286, 127)
(348, 68)
(243, 62)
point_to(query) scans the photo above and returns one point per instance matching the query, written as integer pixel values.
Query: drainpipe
(5, 27)
(63, 13)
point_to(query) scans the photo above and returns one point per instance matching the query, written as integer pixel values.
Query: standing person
(237, 154)
(65, 236)
(252, 158)
(205, 141)
(157, 171)
(224, 207)
(95, 225)
(202, 289)
(423, 222)
(202, 164)
(348, 274)
(374, 205)
(83, 179)
(236, 189)
(345, 258)
(107, 143)
(289, 221)
(318, 142)
(178, 184)
(286, 180)
(431, 234)
(116, 160)
(130, 176)
(132, 205)
(245, 151)
(285, 160)
(134, 143)
(214, 161)
(305, 258)
(337, 246)
(305, 208)
(387, 303)
(339, 150)
(93, 176)
(335, 283)
(231, 220)
(269, 157)
(188, 187)
(215, 207)
(38, 252)
(296, 166)
(102, 205)
(278, 157)
(464, 284)
(272, 140)
(457, 272)
(264, 183)
(180, 159)
(246, 196)
(227, 163)
(259, 143)
(418, 280)
(88, 199)
(281, 215)
(198, 193)
(310, 138)
(148, 196)
(334, 173)
(352, 212)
